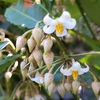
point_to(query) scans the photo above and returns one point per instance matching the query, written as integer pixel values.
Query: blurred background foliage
(16, 18)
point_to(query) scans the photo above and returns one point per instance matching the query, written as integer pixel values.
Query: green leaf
(92, 43)
(94, 61)
(19, 15)
(6, 62)
(92, 9)
(3, 44)
(10, 1)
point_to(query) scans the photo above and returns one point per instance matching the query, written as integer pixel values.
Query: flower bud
(8, 76)
(61, 90)
(75, 86)
(47, 44)
(37, 34)
(48, 59)
(38, 56)
(48, 78)
(51, 88)
(68, 86)
(23, 69)
(31, 67)
(31, 58)
(96, 87)
(31, 44)
(21, 41)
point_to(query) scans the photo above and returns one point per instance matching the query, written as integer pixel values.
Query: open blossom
(59, 24)
(38, 78)
(74, 70)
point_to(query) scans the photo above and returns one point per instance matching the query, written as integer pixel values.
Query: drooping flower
(60, 24)
(38, 78)
(74, 70)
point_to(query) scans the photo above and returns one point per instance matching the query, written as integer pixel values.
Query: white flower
(60, 24)
(38, 78)
(74, 70)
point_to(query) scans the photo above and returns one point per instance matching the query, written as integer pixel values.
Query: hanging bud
(51, 88)
(8, 76)
(37, 34)
(68, 86)
(61, 90)
(96, 87)
(75, 86)
(31, 58)
(48, 79)
(38, 56)
(23, 50)
(31, 44)
(48, 59)
(23, 69)
(21, 41)
(31, 67)
(47, 44)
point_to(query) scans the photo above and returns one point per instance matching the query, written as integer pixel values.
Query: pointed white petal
(70, 23)
(65, 15)
(84, 70)
(49, 29)
(64, 33)
(41, 80)
(48, 20)
(66, 72)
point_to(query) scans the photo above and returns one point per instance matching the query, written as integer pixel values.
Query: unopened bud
(31, 44)
(96, 87)
(68, 86)
(61, 90)
(47, 44)
(38, 56)
(51, 88)
(8, 76)
(48, 59)
(23, 69)
(31, 58)
(37, 34)
(75, 86)
(21, 41)
(23, 50)
(31, 67)
(48, 78)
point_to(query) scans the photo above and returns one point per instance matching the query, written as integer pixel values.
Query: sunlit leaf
(19, 15)
(11, 1)
(3, 44)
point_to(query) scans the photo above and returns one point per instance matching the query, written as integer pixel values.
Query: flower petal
(65, 15)
(84, 70)
(48, 20)
(70, 23)
(66, 72)
(64, 33)
(49, 29)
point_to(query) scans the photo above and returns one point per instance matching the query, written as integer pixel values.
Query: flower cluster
(42, 59)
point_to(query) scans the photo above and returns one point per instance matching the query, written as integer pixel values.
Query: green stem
(75, 97)
(61, 45)
(15, 89)
(82, 54)
(85, 19)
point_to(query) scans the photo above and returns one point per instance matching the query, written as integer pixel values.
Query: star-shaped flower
(74, 70)
(59, 24)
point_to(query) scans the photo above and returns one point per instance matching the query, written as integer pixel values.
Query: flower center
(75, 75)
(59, 28)
(40, 85)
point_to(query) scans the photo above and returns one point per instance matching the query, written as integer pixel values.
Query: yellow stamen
(59, 28)
(75, 75)
(40, 85)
